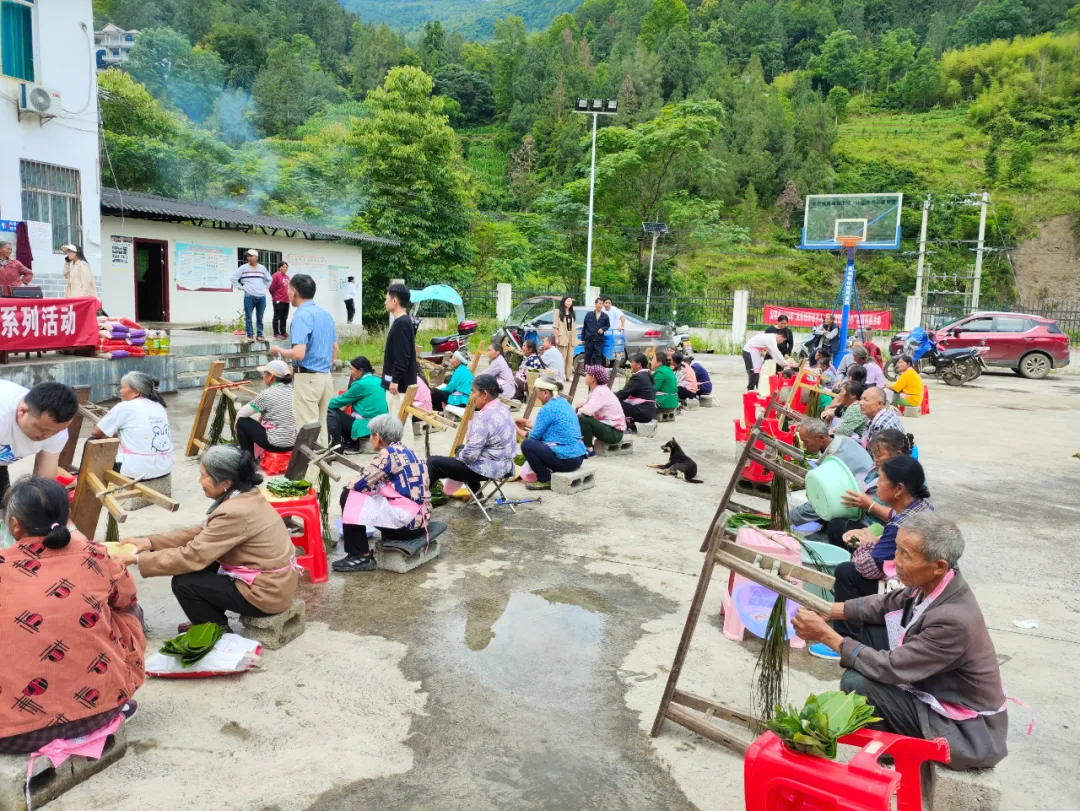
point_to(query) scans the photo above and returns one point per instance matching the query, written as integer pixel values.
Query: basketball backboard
(872, 218)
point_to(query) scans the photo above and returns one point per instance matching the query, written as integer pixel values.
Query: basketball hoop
(849, 242)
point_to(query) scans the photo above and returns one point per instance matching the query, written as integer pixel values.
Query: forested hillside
(729, 114)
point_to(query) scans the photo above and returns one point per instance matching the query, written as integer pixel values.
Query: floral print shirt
(399, 467)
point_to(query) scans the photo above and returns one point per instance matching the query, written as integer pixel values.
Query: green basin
(826, 483)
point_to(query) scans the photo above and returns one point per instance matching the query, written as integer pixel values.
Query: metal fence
(1066, 313)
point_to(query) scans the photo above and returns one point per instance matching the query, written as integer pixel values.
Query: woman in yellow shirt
(908, 386)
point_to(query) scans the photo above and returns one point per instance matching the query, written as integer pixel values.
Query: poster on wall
(204, 267)
(41, 239)
(123, 253)
(314, 266)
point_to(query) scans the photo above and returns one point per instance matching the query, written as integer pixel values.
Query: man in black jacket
(592, 334)
(399, 357)
(638, 396)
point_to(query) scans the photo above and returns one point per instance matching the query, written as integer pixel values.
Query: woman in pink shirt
(601, 415)
(686, 378)
(279, 294)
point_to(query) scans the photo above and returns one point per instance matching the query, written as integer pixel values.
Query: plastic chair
(273, 463)
(307, 509)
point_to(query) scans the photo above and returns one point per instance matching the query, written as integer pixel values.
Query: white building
(112, 45)
(170, 260)
(49, 172)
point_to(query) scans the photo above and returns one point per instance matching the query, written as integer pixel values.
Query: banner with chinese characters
(35, 325)
(803, 317)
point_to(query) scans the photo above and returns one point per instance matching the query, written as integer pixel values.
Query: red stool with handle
(307, 509)
(274, 463)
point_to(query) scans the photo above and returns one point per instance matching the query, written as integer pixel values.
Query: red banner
(35, 325)
(803, 317)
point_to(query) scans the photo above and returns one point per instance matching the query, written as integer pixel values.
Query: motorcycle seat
(957, 353)
(443, 339)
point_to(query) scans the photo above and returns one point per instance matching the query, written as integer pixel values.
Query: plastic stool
(275, 464)
(778, 545)
(925, 402)
(306, 508)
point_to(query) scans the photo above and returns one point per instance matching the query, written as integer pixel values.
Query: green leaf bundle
(194, 643)
(739, 520)
(823, 720)
(285, 488)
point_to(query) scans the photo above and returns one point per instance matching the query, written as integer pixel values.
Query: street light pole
(595, 108)
(656, 229)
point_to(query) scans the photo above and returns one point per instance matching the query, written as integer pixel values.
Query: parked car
(1030, 345)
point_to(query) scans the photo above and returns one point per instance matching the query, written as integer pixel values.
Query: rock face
(1048, 266)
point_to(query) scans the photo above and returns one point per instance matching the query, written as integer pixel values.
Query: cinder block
(625, 447)
(277, 630)
(49, 782)
(390, 561)
(706, 400)
(665, 415)
(692, 403)
(576, 481)
(162, 484)
(976, 790)
(912, 412)
(646, 429)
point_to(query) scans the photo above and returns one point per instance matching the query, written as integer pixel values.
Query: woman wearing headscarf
(552, 440)
(78, 278)
(142, 424)
(566, 332)
(455, 392)
(365, 399)
(601, 415)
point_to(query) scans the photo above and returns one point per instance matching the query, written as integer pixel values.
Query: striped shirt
(275, 406)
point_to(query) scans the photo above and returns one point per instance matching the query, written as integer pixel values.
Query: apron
(386, 508)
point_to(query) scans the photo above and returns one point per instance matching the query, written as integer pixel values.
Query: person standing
(254, 280)
(34, 422)
(592, 334)
(348, 292)
(399, 355)
(565, 324)
(13, 273)
(615, 316)
(753, 354)
(78, 278)
(314, 350)
(785, 340)
(279, 294)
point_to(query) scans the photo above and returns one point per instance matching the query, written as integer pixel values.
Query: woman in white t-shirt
(141, 422)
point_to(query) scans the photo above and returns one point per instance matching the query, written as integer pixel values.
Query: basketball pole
(845, 312)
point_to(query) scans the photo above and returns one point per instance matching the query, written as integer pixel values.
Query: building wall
(203, 306)
(63, 61)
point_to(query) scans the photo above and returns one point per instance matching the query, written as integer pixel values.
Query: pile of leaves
(194, 643)
(284, 488)
(739, 520)
(824, 719)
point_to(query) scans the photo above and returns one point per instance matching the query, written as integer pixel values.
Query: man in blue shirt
(314, 350)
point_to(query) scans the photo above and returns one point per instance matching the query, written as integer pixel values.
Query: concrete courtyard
(524, 667)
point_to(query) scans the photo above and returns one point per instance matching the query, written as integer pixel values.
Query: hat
(461, 356)
(599, 373)
(71, 248)
(546, 382)
(252, 252)
(278, 368)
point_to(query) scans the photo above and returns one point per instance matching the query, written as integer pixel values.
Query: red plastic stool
(925, 408)
(776, 778)
(275, 464)
(68, 481)
(306, 508)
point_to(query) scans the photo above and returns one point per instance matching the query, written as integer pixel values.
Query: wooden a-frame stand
(215, 382)
(692, 711)
(436, 421)
(307, 451)
(87, 410)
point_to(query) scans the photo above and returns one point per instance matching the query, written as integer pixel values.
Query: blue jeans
(259, 305)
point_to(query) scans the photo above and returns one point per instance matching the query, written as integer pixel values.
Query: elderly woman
(365, 397)
(922, 655)
(901, 488)
(142, 424)
(268, 420)
(552, 440)
(456, 391)
(638, 396)
(490, 444)
(601, 415)
(664, 382)
(73, 650)
(240, 558)
(844, 415)
(500, 370)
(78, 278)
(391, 495)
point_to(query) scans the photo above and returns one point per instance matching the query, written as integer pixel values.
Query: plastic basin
(826, 483)
(831, 556)
(754, 603)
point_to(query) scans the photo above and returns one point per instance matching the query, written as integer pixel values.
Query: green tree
(664, 16)
(509, 52)
(242, 51)
(678, 64)
(471, 91)
(432, 45)
(375, 49)
(291, 87)
(416, 183)
(1020, 162)
(922, 82)
(988, 21)
(837, 64)
(183, 77)
(837, 100)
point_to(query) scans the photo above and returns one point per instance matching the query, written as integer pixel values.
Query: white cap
(278, 368)
(252, 252)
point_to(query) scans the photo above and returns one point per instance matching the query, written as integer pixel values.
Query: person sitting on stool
(268, 421)
(638, 396)
(365, 396)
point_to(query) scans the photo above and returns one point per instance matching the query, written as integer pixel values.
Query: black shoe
(354, 563)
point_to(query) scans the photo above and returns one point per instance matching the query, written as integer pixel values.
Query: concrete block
(162, 484)
(576, 481)
(390, 561)
(665, 415)
(977, 790)
(912, 412)
(625, 447)
(277, 630)
(692, 403)
(706, 400)
(49, 782)
(647, 429)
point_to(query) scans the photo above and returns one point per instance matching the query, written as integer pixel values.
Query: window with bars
(268, 259)
(17, 39)
(52, 194)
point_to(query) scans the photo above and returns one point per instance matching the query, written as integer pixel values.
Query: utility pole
(922, 247)
(656, 229)
(595, 108)
(977, 281)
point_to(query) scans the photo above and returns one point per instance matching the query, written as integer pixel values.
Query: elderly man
(880, 416)
(552, 358)
(13, 273)
(924, 657)
(827, 336)
(814, 436)
(254, 280)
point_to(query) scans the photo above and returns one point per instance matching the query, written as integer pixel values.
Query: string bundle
(770, 670)
(323, 494)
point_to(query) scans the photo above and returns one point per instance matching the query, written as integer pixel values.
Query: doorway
(151, 280)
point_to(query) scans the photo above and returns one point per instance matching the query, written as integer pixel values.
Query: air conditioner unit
(33, 98)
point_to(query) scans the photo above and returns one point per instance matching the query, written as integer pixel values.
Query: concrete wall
(63, 61)
(202, 306)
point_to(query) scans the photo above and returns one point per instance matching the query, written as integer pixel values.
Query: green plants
(194, 643)
(284, 488)
(823, 720)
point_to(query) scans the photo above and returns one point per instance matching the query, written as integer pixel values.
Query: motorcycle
(954, 366)
(680, 336)
(443, 344)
